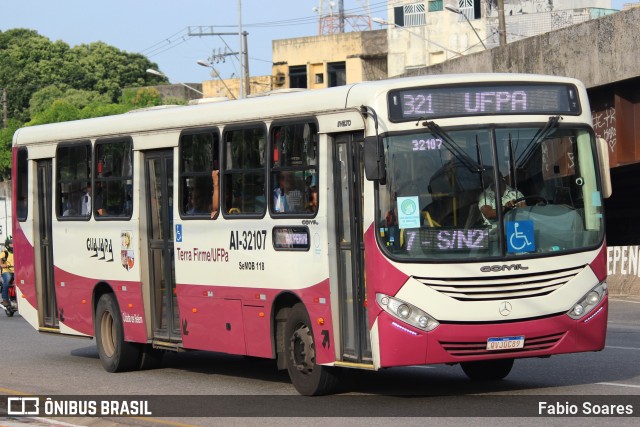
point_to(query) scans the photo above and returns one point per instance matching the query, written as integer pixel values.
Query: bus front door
(348, 191)
(159, 194)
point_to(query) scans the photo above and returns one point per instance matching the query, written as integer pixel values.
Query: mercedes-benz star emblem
(505, 308)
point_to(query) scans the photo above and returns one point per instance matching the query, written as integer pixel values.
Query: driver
(487, 202)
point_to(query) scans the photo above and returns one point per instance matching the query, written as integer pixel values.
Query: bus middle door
(159, 191)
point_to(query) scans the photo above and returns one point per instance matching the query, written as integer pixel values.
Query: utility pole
(4, 107)
(502, 28)
(243, 54)
(245, 51)
(242, 91)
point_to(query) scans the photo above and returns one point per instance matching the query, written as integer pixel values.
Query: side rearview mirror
(374, 166)
(603, 165)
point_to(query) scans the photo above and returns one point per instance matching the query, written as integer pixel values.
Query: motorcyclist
(6, 262)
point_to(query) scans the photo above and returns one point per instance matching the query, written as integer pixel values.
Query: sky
(159, 28)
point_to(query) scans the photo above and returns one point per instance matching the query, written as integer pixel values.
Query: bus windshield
(489, 192)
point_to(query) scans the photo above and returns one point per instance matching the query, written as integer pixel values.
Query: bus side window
(73, 180)
(244, 183)
(198, 159)
(294, 169)
(113, 166)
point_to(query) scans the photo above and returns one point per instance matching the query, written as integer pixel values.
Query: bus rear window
(21, 185)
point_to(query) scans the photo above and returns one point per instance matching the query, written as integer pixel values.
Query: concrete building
(230, 88)
(423, 33)
(601, 53)
(330, 60)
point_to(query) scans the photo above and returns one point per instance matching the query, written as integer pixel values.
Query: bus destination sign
(467, 100)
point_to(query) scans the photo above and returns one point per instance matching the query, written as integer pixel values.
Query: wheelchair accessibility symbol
(520, 236)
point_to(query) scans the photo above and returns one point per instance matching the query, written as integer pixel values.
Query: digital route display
(477, 100)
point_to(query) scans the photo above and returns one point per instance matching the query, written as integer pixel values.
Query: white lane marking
(54, 422)
(623, 348)
(620, 385)
(625, 300)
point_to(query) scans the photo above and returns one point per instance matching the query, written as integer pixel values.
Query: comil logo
(23, 406)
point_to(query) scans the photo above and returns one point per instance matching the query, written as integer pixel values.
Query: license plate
(505, 343)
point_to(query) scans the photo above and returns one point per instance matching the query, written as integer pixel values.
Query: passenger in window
(215, 198)
(312, 203)
(85, 203)
(98, 201)
(199, 202)
(279, 194)
(71, 205)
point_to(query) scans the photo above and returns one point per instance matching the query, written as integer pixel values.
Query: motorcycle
(12, 308)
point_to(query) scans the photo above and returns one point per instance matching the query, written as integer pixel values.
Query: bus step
(342, 364)
(168, 346)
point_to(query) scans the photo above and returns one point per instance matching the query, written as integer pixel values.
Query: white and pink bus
(442, 219)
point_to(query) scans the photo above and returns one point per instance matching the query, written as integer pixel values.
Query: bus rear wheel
(309, 378)
(487, 370)
(116, 354)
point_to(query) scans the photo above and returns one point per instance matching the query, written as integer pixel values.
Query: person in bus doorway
(6, 262)
(487, 202)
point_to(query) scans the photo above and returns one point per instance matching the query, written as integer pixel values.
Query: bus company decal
(127, 254)
(100, 248)
(239, 320)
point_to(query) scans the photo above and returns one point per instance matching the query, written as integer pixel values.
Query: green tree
(30, 62)
(59, 111)
(6, 138)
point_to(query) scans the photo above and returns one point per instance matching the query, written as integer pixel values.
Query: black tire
(116, 354)
(487, 370)
(307, 377)
(150, 358)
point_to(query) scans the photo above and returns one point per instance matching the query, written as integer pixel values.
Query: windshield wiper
(542, 134)
(453, 147)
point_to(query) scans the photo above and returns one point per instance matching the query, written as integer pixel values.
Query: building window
(244, 171)
(113, 192)
(435, 5)
(470, 8)
(337, 72)
(294, 169)
(198, 161)
(409, 15)
(298, 76)
(73, 173)
(319, 78)
(22, 175)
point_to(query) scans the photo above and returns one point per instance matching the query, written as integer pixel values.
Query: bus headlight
(406, 312)
(588, 302)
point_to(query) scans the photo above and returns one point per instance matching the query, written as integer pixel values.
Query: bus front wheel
(116, 354)
(487, 370)
(309, 378)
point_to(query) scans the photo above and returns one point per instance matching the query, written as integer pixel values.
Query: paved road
(51, 366)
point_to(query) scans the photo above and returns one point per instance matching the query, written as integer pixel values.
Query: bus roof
(268, 107)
